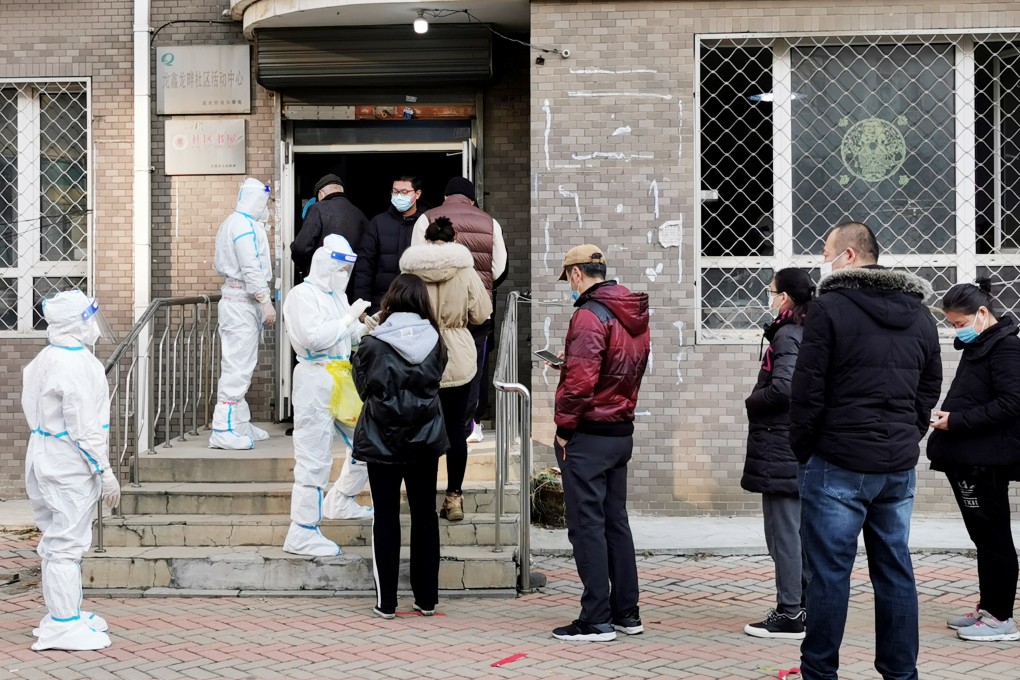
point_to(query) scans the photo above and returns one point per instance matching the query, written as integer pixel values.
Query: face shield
(341, 266)
(97, 328)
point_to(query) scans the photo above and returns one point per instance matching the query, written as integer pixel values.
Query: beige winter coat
(458, 298)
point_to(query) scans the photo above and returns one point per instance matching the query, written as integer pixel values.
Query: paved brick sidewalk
(694, 611)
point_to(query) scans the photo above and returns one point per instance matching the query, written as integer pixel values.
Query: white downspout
(141, 220)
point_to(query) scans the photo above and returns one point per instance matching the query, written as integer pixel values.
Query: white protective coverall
(242, 258)
(321, 326)
(66, 401)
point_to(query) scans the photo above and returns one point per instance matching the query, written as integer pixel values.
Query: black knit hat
(460, 185)
(326, 181)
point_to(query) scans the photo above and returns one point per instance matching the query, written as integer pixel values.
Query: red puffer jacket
(606, 354)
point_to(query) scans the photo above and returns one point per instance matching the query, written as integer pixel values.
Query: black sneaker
(779, 625)
(629, 623)
(383, 613)
(585, 632)
(425, 611)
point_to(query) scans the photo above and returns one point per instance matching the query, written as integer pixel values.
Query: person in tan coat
(458, 298)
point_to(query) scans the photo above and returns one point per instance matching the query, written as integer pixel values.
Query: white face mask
(338, 280)
(826, 268)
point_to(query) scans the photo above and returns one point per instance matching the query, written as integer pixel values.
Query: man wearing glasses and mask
(387, 237)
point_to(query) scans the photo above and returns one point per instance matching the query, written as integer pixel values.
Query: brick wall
(691, 430)
(75, 40)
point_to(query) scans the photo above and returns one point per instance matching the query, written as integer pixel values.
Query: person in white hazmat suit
(322, 327)
(242, 258)
(66, 401)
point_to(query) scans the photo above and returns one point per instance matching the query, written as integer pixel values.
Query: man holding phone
(604, 360)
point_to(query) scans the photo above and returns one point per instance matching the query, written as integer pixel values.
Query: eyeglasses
(402, 192)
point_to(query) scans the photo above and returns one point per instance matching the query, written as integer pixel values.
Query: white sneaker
(476, 434)
(94, 621)
(302, 540)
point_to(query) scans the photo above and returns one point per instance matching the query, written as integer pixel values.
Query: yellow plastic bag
(344, 403)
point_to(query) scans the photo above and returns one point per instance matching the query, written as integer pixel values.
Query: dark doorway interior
(368, 177)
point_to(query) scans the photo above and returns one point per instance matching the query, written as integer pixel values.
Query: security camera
(565, 53)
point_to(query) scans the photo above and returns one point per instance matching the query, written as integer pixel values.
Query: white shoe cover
(94, 621)
(72, 636)
(256, 433)
(231, 441)
(476, 434)
(309, 541)
(339, 506)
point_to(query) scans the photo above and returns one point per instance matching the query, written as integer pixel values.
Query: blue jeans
(836, 504)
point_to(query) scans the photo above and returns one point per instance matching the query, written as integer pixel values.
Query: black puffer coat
(983, 404)
(770, 466)
(397, 371)
(869, 372)
(387, 237)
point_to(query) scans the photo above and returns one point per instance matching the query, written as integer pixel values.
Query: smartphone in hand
(546, 355)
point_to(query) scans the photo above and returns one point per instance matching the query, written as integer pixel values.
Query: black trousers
(478, 401)
(595, 491)
(420, 481)
(454, 401)
(983, 497)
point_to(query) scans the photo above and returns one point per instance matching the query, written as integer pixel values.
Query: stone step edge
(158, 592)
(188, 488)
(279, 520)
(450, 553)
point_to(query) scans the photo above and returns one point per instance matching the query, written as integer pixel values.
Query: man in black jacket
(387, 237)
(868, 374)
(332, 213)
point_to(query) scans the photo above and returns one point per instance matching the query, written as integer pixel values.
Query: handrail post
(501, 455)
(524, 547)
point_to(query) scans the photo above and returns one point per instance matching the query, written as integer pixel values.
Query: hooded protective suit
(242, 258)
(321, 326)
(66, 401)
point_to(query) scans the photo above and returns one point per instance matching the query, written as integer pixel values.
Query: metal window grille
(918, 136)
(45, 196)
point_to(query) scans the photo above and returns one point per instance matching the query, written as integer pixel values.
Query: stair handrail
(138, 402)
(513, 429)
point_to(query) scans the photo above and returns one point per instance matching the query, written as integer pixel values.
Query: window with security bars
(44, 196)
(918, 136)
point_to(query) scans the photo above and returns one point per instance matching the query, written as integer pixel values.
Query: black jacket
(332, 215)
(869, 372)
(983, 403)
(770, 466)
(387, 237)
(402, 421)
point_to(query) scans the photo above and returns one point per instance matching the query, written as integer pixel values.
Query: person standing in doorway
(976, 443)
(332, 213)
(606, 353)
(387, 237)
(458, 299)
(400, 436)
(868, 374)
(483, 236)
(242, 259)
(770, 467)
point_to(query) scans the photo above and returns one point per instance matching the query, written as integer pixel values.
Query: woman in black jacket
(976, 443)
(771, 468)
(401, 435)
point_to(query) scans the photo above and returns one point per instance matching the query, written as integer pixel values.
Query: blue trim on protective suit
(67, 620)
(49, 434)
(69, 349)
(92, 460)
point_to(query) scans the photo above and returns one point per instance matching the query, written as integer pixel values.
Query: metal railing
(513, 431)
(170, 358)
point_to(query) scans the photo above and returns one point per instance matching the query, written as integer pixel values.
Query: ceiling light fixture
(421, 24)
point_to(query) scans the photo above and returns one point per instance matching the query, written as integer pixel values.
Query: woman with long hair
(458, 298)
(976, 443)
(401, 435)
(771, 468)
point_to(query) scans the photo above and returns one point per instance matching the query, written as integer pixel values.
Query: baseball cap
(583, 254)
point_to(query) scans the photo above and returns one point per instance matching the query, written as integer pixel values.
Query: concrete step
(273, 461)
(270, 530)
(264, 498)
(219, 569)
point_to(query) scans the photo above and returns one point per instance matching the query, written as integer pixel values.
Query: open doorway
(368, 176)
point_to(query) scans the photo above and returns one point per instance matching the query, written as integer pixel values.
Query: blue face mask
(574, 295)
(968, 334)
(401, 202)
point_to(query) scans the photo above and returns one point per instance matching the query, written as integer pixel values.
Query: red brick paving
(694, 611)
